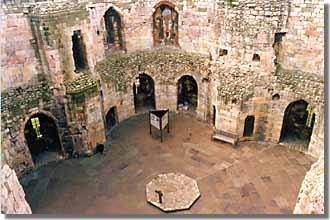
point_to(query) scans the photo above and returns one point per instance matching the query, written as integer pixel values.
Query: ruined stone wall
(231, 33)
(311, 195)
(85, 114)
(19, 53)
(119, 72)
(137, 22)
(303, 45)
(243, 87)
(12, 193)
(17, 106)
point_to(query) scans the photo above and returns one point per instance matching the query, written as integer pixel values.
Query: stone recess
(311, 196)
(12, 194)
(178, 192)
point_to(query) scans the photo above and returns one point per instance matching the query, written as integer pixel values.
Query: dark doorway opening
(214, 115)
(42, 138)
(111, 118)
(298, 123)
(187, 93)
(248, 126)
(144, 93)
(79, 51)
(113, 27)
(277, 45)
(165, 25)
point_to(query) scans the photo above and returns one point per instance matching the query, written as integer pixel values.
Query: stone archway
(113, 26)
(79, 51)
(187, 93)
(144, 93)
(111, 118)
(248, 126)
(42, 138)
(298, 122)
(165, 24)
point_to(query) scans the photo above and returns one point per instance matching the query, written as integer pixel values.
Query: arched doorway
(187, 93)
(79, 51)
(111, 118)
(42, 138)
(113, 26)
(248, 126)
(144, 93)
(214, 115)
(298, 124)
(165, 25)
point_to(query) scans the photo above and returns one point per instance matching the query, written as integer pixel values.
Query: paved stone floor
(253, 179)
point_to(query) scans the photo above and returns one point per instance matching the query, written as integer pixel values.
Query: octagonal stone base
(177, 192)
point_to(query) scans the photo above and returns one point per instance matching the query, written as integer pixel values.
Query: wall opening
(214, 115)
(144, 93)
(298, 123)
(277, 45)
(111, 118)
(223, 52)
(256, 57)
(113, 25)
(276, 97)
(42, 139)
(187, 93)
(248, 126)
(165, 25)
(79, 51)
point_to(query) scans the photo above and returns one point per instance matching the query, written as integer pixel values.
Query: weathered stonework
(12, 194)
(172, 192)
(311, 196)
(241, 54)
(86, 124)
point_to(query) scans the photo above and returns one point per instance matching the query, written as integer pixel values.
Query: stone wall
(85, 114)
(303, 45)
(17, 106)
(12, 193)
(19, 58)
(311, 196)
(228, 47)
(166, 67)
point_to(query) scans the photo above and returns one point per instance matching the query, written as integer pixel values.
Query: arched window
(79, 51)
(113, 26)
(276, 97)
(165, 25)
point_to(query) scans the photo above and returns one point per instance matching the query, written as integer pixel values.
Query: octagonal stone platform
(178, 192)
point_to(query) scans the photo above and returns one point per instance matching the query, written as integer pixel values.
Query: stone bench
(225, 137)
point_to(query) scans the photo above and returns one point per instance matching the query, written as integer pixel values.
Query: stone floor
(256, 178)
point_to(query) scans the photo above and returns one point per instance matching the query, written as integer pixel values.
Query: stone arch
(144, 93)
(111, 118)
(298, 123)
(187, 92)
(41, 136)
(276, 97)
(165, 24)
(249, 126)
(114, 25)
(79, 51)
